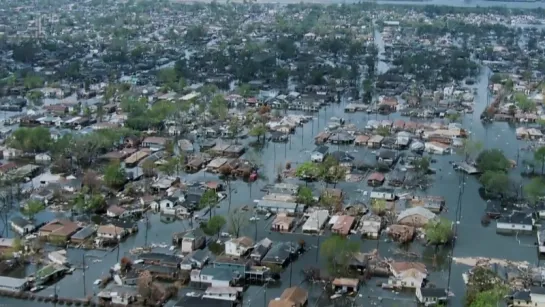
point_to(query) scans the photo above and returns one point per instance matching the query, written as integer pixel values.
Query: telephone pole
(84, 286)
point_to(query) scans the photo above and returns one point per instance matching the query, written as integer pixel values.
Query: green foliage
(470, 148)
(216, 248)
(115, 176)
(209, 199)
(308, 170)
(141, 117)
(31, 208)
(539, 156)
(35, 97)
(524, 103)
(86, 202)
(492, 160)
(168, 77)
(338, 252)
(259, 130)
(485, 288)
(534, 190)
(384, 131)
(439, 232)
(236, 221)
(214, 225)
(495, 182)
(32, 81)
(245, 90)
(304, 196)
(218, 107)
(31, 139)
(422, 165)
(378, 206)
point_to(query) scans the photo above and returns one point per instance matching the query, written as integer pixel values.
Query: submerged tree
(495, 182)
(236, 222)
(214, 225)
(493, 160)
(338, 252)
(209, 200)
(304, 196)
(31, 208)
(534, 190)
(439, 232)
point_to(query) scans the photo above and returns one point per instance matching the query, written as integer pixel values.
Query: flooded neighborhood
(284, 155)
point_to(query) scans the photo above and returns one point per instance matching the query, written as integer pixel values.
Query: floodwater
(473, 239)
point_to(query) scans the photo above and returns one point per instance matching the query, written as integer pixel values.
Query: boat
(37, 288)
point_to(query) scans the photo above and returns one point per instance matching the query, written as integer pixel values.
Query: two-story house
(193, 240)
(214, 277)
(239, 246)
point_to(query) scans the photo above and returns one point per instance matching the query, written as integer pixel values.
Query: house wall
(507, 227)
(233, 249)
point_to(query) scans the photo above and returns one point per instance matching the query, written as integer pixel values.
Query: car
(225, 234)
(254, 218)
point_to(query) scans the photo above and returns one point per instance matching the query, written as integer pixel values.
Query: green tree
(439, 232)
(259, 130)
(169, 167)
(214, 225)
(338, 252)
(168, 77)
(32, 81)
(308, 170)
(209, 200)
(470, 148)
(31, 139)
(304, 196)
(378, 206)
(234, 127)
(115, 176)
(383, 130)
(35, 97)
(539, 156)
(534, 190)
(422, 165)
(481, 284)
(492, 160)
(490, 298)
(524, 103)
(148, 168)
(31, 208)
(495, 182)
(245, 90)
(218, 107)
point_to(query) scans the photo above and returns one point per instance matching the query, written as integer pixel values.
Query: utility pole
(147, 227)
(291, 269)
(84, 286)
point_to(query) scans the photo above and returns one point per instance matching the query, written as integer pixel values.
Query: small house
(261, 249)
(362, 140)
(239, 246)
(345, 285)
(22, 226)
(416, 217)
(375, 179)
(280, 254)
(370, 226)
(154, 143)
(282, 223)
(431, 296)
(292, 297)
(193, 240)
(343, 224)
(515, 222)
(375, 141)
(318, 154)
(59, 229)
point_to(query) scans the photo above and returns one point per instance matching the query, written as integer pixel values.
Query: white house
(111, 232)
(223, 293)
(170, 206)
(11, 153)
(431, 296)
(318, 154)
(541, 241)
(239, 246)
(42, 157)
(407, 274)
(515, 222)
(537, 295)
(116, 211)
(22, 226)
(382, 195)
(436, 148)
(316, 221)
(213, 277)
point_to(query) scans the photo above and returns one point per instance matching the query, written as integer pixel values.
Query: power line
(458, 217)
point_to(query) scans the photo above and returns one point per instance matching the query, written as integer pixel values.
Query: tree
(539, 156)
(91, 181)
(422, 165)
(218, 107)
(338, 252)
(308, 170)
(490, 298)
(304, 196)
(258, 130)
(209, 200)
(35, 97)
(439, 232)
(470, 148)
(480, 281)
(492, 160)
(236, 221)
(495, 182)
(169, 147)
(148, 168)
(534, 190)
(31, 208)
(115, 176)
(144, 285)
(235, 126)
(378, 206)
(524, 103)
(245, 90)
(453, 117)
(383, 130)
(36, 139)
(214, 225)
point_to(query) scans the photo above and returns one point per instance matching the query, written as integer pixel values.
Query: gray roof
(84, 233)
(218, 273)
(416, 211)
(276, 204)
(10, 282)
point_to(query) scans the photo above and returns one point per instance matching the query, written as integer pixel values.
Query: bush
(216, 248)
